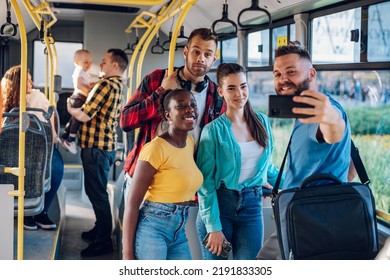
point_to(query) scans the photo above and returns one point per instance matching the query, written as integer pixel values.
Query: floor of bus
(79, 217)
(65, 242)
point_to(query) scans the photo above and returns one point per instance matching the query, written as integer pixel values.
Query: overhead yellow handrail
(140, 22)
(149, 26)
(133, 2)
(37, 12)
(22, 135)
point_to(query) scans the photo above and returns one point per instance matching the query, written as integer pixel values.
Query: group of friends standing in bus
(231, 146)
(200, 143)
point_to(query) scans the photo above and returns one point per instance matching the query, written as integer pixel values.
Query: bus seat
(49, 137)
(35, 162)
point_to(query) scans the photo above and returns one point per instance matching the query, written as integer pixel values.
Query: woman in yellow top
(166, 179)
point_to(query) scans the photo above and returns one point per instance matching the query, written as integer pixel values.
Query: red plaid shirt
(141, 111)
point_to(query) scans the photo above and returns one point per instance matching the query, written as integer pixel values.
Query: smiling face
(234, 90)
(292, 75)
(199, 56)
(182, 111)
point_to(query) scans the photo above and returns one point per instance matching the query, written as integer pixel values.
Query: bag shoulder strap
(277, 183)
(359, 166)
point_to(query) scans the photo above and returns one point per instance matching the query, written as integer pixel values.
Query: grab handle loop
(8, 28)
(157, 48)
(225, 18)
(254, 7)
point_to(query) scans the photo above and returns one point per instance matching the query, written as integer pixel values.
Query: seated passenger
(166, 178)
(35, 99)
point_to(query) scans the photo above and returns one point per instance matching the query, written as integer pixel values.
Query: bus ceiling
(202, 14)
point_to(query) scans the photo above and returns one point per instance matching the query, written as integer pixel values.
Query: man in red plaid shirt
(141, 111)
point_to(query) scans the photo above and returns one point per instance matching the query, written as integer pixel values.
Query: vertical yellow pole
(22, 135)
(162, 17)
(172, 46)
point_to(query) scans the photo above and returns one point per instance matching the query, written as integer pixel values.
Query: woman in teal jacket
(234, 155)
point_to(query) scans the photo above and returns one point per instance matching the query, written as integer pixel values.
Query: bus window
(258, 48)
(218, 61)
(229, 50)
(378, 46)
(65, 62)
(331, 37)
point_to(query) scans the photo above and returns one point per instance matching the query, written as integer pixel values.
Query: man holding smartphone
(321, 142)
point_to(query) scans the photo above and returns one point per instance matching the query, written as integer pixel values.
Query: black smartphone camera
(226, 247)
(280, 106)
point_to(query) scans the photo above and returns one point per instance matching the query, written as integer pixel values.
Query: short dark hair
(120, 57)
(166, 97)
(284, 50)
(205, 34)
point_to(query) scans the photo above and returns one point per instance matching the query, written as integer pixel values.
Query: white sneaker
(70, 146)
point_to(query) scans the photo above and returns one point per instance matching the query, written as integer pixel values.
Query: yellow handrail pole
(133, 2)
(54, 72)
(384, 215)
(51, 66)
(171, 58)
(47, 75)
(22, 135)
(51, 57)
(149, 26)
(161, 18)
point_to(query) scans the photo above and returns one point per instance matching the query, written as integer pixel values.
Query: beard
(304, 85)
(197, 73)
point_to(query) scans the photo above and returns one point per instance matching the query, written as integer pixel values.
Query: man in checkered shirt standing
(97, 138)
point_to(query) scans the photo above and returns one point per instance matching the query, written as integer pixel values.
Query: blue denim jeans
(161, 232)
(241, 216)
(57, 172)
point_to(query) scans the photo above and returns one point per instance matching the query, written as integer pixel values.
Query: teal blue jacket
(219, 160)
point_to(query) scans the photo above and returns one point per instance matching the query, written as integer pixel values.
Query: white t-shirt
(250, 155)
(78, 72)
(200, 98)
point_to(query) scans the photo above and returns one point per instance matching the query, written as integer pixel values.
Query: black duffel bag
(333, 220)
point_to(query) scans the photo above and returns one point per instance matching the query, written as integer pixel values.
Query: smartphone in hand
(226, 247)
(280, 106)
